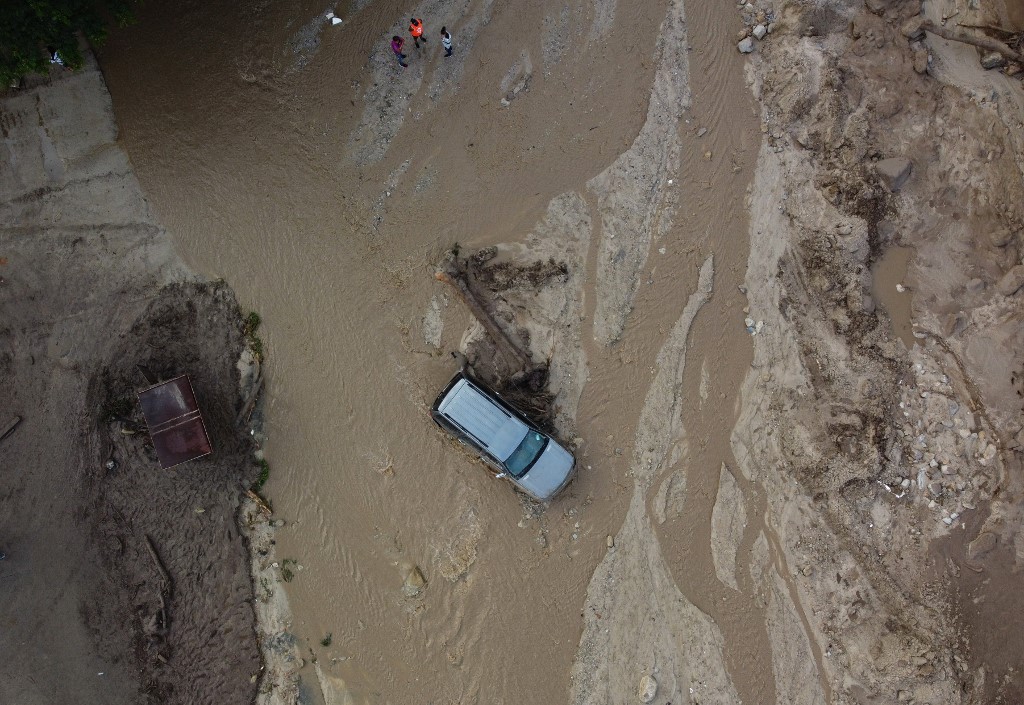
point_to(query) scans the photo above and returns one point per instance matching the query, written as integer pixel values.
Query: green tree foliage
(28, 27)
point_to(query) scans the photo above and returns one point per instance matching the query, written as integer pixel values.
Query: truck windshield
(526, 454)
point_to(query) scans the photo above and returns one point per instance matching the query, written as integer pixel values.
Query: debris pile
(759, 22)
(950, 459)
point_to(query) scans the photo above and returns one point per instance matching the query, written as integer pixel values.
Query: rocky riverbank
(892, 475)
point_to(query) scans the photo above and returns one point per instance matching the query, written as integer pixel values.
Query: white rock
(759, 31)
(746, 45)
(648, 689)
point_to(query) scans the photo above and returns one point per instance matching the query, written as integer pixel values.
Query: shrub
(264, 475)
(28, 27)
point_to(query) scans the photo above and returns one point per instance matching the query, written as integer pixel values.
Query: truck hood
(549, 474)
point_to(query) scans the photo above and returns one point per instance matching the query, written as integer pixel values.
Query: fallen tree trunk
(508, 348)
(982, 42)
(164, 575)
(250, 403)
(260, 502)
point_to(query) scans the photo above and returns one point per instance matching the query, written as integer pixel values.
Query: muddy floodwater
(772, 305)
(324, 183)
(889, 286)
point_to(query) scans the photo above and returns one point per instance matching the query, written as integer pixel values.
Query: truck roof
(494, 427)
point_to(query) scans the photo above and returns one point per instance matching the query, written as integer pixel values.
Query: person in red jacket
(416, 30)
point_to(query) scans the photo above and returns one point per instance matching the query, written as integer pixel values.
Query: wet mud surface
(168, 541)
(122, 583)
(779, 500)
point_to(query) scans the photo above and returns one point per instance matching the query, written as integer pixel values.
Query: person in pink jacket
(396, 46)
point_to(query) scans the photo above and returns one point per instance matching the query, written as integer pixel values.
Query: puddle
(889, 275)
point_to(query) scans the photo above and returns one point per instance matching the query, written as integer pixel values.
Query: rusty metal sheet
(174, 421)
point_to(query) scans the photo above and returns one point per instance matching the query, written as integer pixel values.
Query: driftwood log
(457, 279)
(983, 42)
(164, 575)
(166, 584)
(250, 403)
(260, 502)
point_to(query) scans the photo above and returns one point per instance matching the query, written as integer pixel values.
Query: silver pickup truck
(505, 439)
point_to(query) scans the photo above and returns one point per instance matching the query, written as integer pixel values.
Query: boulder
(648, 689)
(414, 582)
(759, 31)
(746, 45)
(894, 172)
(1001, 237)
(992, 60)
(1012, 281)
(877, 7)
(909, 9)
(913, 28)
(982, 545)
(920, 60)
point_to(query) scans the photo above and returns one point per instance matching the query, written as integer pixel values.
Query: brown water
(890, 289)
(324, 186)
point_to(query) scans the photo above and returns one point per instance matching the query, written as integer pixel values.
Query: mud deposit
(168, 540)
(123, 583)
